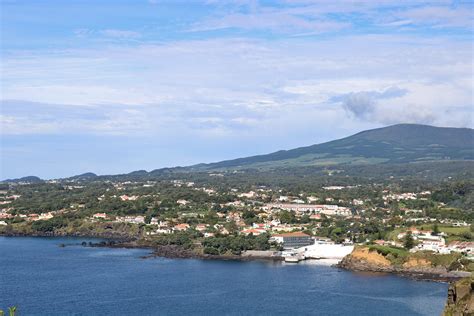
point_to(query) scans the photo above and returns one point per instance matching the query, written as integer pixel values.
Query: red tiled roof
(253, 230)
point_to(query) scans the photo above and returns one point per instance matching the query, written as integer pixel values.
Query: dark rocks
(419, 273)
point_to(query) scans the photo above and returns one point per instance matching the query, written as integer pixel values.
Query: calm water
(43, 279)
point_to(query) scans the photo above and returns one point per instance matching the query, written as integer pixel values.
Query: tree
(409, 241)
(148, 219)
(436, 229)
(261, 242)
(305, 219)
(287, 217)
(211, 218)
(231, 227)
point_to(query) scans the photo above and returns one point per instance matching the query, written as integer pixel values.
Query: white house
(182, 202)
(462, 246)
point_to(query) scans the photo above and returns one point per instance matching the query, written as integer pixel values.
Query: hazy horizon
(214, 161)
(91, 86)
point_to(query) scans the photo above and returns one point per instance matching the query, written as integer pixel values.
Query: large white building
(326, 209)
(292, 240)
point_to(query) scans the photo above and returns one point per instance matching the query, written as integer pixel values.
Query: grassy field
(446, 229)
(398, 256)
(450, 230)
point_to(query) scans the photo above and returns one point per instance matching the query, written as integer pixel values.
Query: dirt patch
(417, 263)
(371, 257)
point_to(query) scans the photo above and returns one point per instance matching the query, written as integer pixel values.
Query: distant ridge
(27, 179)
(400, 143)
(84, 176)
(396, 144)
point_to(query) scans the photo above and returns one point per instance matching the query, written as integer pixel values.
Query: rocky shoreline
(347, 263)
(166, 251)
(108, 235)
(177, 252)
(418, 273)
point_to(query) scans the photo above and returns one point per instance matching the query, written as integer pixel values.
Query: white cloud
(440, 16)
(304, 18)
(227, 87)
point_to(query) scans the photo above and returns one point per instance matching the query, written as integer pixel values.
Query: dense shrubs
(385, 251)
(49, 225)
(183, 239)
(235, 244)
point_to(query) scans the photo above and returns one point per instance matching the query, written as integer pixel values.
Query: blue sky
(116, 86)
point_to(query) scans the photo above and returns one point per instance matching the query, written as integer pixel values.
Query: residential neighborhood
(204, 212)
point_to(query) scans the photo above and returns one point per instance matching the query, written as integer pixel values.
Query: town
(217, 218)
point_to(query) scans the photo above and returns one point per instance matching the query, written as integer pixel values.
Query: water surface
(42, 278)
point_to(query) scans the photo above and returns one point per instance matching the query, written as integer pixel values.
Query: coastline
(165, 251)
(169, 281)
(432, 275)
(118, 237)
(178, 252)
(422, 273)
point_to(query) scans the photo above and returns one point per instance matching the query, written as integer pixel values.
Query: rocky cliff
(460, 298)
(365, 259)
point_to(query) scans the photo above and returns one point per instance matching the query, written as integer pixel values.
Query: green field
(450, 230)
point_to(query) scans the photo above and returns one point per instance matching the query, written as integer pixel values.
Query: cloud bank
(241, 76)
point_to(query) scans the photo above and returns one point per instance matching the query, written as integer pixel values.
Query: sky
(116, 86)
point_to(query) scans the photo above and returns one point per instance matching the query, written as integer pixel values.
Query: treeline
(235, 244)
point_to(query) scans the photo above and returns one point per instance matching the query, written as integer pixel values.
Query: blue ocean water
(41, 278)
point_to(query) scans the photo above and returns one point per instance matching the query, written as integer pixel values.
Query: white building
(182, 202)
(326, 209)
(250, 194)
(131, 219)
(432, 245)
(462, 246)
(99, 216)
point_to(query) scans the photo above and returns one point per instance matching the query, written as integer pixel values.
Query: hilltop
(386, 150)
(402, 143)
(27, 179)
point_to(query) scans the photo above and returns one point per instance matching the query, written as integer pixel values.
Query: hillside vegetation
(393, 144)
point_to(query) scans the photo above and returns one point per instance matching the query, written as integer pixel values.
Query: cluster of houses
(273, 226)
(258, 200)
(326, 209)
(405, 196)
(125, 197)
(427, 240)
(33, 217)
(39, 217)
(165, 227)
(462, 246)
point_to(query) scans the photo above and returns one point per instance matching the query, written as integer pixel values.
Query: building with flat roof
(326, 209)
(292, 240)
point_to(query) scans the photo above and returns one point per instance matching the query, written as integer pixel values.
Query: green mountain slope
(393, 144)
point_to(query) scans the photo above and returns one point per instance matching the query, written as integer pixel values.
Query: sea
(40, 277)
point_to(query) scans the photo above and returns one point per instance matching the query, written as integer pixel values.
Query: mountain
(28, 179)
(83, 177)
(402, 143)
(390, 148)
